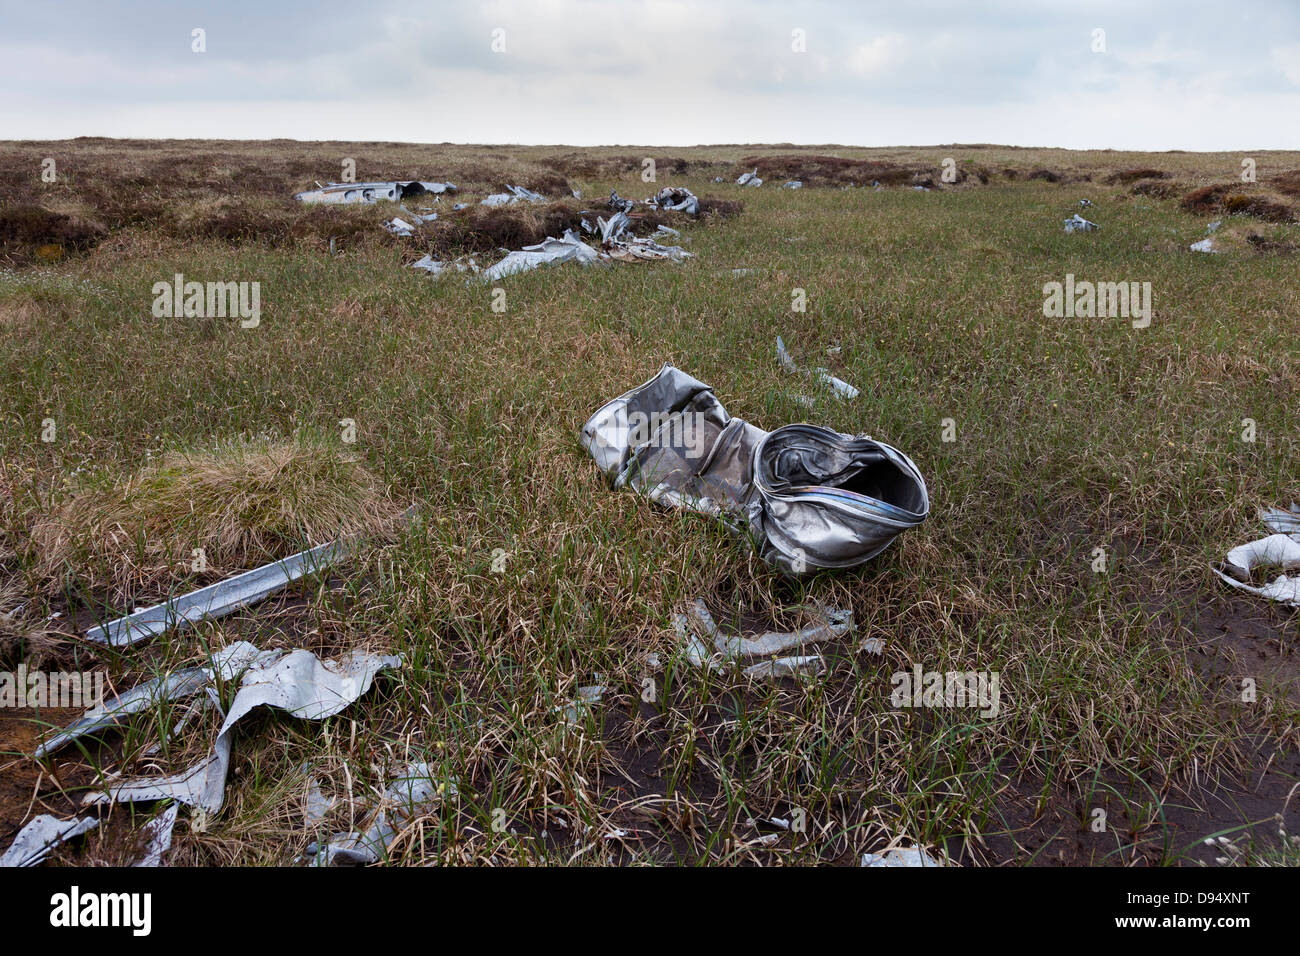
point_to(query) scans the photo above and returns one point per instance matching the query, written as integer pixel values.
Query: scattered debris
(668, 231)
(586, 696)
(913, 857)
(408, 797)
(1077, 223)
(372, 192)
(226, 664)
(436, 267)
(808, 666)
(316, 806)
(159, 830)
(749, 179)
(612, 229)
(216, 600)
(550, 251)
(631, 249)
(872, 645)
(698, 623)
(36, 840)
(297, 682)
(513, 194)
(400, 227)
(841, 388)
(1207, 244)
(676, 198)
(1280, 550)
(1085, 203)
(792, 184)
(811, 498)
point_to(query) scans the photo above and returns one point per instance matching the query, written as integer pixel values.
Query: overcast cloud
(1191, 74)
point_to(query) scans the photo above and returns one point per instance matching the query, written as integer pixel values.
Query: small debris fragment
(216, 600)
(159, 831)
(36, 840)
(513, 194)
(412, 795)
(807, 666)
(1077, 223)
(336, 193)
(913, 857)
(841, 388)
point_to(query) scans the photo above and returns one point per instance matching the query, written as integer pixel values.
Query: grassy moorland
(522, 575)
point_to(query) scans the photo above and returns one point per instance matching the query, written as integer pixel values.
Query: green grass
(1071, 434)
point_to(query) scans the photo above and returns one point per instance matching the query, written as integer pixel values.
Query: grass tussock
(1124, 177)
(819, 170)
(1225, 198)
(243, 502)
(32, 233)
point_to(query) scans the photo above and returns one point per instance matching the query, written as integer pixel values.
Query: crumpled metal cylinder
(811, 498)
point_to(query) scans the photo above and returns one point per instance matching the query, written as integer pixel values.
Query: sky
(1190, 74)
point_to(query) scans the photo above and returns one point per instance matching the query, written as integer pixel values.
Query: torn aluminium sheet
(513, 194)
(159, 832)
(372, 192)
(549, 251)
(436, 267)
(1280, 550)
(36, 840)
(809, 497)
(841, 388)
(400, 227)
(409, 796)
(227, 664)
(216, 600)
(697, 622)
(570, 248)
(749, 179)
(297, 682)
(1077, 223)
(913, 857)
(582, 701)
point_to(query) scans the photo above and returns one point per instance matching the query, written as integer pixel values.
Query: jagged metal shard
(677, 199)
(335, 193)
(296, 682)
(513, 194)
(413, 794)
(811, 498)
(227, 664)
(216, 600)
(35, 841)
(550, 251)
(841, 388)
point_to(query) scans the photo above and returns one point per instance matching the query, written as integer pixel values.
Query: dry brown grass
(1228, 198)
(242, 502)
